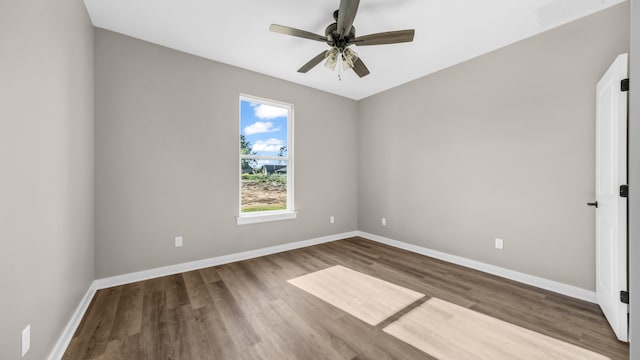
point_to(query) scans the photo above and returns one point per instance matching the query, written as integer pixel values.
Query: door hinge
(624, 297)
(624, 85)
(624, 191)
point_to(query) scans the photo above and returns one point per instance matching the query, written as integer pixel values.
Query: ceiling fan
(340, 35)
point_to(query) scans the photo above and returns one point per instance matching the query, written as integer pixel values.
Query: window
(266, 160)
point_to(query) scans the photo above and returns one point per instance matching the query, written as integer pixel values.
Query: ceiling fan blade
(346, 15)
(389, 37)
(360, 68)
(313, 62)
(296, 32)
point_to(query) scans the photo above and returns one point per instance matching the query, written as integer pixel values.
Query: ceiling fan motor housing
(334, 40)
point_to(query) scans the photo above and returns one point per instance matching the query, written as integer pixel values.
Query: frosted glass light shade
(349, 57)
(332, 59)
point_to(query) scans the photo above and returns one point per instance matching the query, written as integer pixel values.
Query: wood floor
(247, 310)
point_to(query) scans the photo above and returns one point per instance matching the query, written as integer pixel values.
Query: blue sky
(264, 126)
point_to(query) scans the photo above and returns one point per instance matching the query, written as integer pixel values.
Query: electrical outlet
(499, 244)
(26, 339)
(384, 221)
(332, 219)
(178, 241)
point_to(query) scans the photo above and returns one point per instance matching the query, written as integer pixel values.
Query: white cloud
(266, 112)
(268, 145)
(260, 127)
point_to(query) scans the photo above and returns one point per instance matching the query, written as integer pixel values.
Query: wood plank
(234, 319)
(196, 290)
(128, 319)
(222, 345)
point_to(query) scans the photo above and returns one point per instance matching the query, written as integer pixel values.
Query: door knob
(595, 204)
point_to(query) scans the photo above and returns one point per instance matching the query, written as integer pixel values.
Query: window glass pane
(264, 188)
(265, 128)
(265, 178)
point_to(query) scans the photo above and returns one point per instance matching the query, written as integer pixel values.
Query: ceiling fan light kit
(340, 35)
(332, 59)
(349, 57)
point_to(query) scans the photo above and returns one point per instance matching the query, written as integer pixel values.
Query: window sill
(247, 219)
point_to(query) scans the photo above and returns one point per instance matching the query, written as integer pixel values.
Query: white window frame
(269, 215)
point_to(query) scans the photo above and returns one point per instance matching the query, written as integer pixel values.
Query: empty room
(322, 179)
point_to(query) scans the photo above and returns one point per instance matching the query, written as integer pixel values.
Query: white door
(611, 210)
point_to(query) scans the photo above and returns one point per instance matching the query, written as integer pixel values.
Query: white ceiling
(236, 32)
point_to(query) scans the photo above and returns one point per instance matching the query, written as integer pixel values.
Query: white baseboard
(67, 334)
(219, 260)
(557, 287)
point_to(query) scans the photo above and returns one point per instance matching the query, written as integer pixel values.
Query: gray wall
(46, 171)
(499, 146)
(167, 164)
(634, 180)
